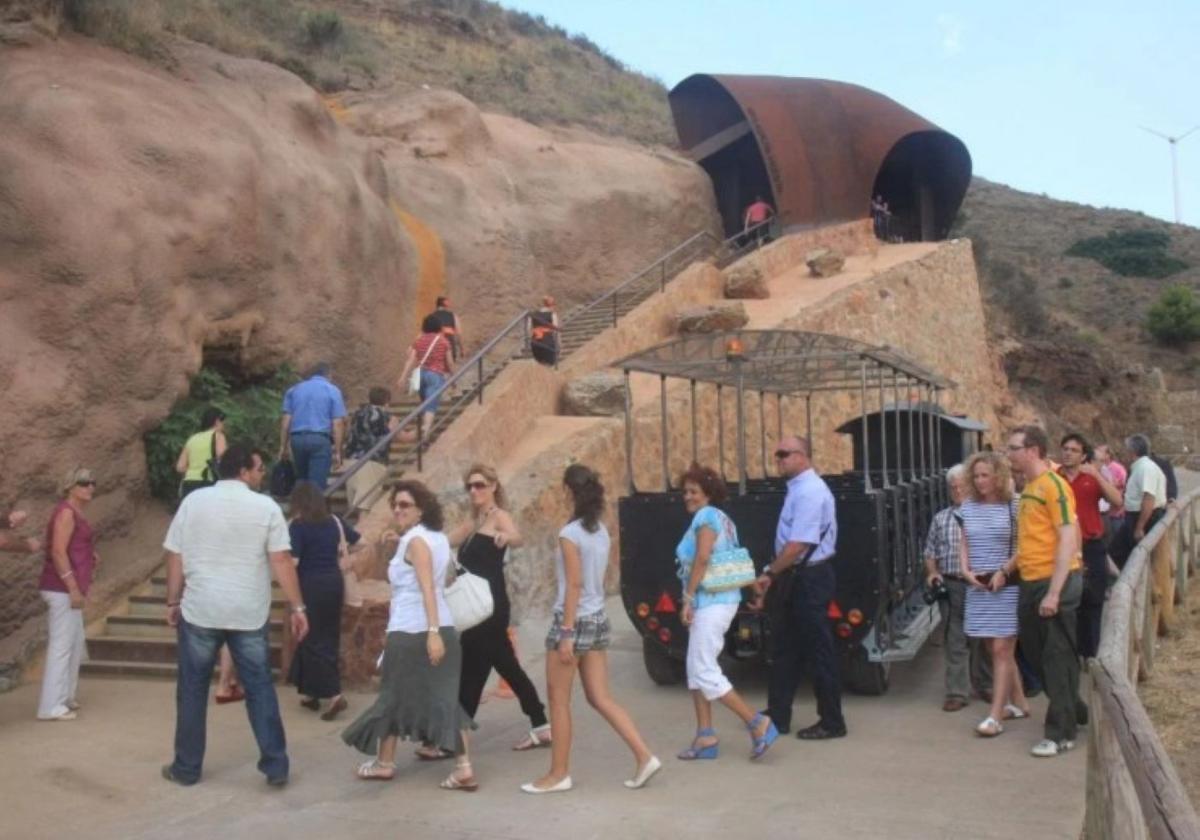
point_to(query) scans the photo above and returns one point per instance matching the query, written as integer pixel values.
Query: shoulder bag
(729, 568)
(414, 378)
(469, 597)
(351, 593)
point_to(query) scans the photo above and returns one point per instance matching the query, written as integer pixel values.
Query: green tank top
(199, 448)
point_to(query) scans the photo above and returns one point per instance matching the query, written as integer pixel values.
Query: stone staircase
(136, 641)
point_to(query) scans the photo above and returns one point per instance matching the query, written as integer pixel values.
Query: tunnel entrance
(921, 182)
(738, 176)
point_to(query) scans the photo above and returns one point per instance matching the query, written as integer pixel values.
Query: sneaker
(67, 715)
(1048, 749)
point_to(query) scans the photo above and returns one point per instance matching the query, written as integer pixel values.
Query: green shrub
(251, 415)
(1131, 253)
(322, 27)
(1175, 318)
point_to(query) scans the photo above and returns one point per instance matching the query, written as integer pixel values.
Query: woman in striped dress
(989, 524)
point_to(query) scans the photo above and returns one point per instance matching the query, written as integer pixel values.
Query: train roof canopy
(782, 362)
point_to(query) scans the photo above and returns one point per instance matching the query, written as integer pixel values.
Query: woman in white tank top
(418, 692)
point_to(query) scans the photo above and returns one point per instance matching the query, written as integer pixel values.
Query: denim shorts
(430, 382)
(592, 632)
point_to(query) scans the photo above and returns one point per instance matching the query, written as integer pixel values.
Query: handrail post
(420, 438)
(662, 284)
(480, 373)
(614, 298)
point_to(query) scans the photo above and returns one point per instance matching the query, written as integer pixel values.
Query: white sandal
(376, 770)
(1014, 712)
(538, 737)
(989, 727)
(453, 782)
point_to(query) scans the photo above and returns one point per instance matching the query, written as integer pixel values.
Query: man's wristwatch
(299, 609)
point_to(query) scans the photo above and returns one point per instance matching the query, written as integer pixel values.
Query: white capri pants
(706, 638)
(65, 652)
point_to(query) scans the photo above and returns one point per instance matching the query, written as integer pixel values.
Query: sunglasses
(85, 483)
(1014, 448)
(476, 485)
(403, 505)
(780, 454)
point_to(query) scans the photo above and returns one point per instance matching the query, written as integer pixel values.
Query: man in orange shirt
(1051, 586)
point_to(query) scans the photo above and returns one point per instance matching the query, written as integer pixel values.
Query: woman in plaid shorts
(580, 634)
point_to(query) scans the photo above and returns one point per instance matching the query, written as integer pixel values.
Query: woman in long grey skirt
(418, 693)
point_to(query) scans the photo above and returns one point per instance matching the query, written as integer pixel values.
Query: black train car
(884, 506)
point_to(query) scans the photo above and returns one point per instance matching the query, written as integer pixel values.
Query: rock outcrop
(151, 217)
(600, 394)
(709, 319)
(745, 280)
(825, 262)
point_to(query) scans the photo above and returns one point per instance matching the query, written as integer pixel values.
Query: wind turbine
(1174, 143)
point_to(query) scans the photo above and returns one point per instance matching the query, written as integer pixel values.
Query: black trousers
(1091, 604)
(1124, 542)
(1050, 646)
(485, 647)
(801, 635)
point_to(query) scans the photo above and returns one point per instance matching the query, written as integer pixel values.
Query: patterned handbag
(729, 568)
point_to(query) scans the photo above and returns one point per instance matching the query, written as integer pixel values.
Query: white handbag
(469, 599)
(414, 378)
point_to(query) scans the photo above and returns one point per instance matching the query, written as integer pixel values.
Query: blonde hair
(1001, 471)
(491, 476)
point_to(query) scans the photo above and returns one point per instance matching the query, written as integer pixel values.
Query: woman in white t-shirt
(418, 691)
(580, 635)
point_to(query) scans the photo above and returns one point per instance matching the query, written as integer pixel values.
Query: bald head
(792, 455)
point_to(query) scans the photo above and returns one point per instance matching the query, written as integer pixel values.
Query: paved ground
(907, 770)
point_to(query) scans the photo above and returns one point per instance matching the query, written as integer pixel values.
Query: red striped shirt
(437, 361)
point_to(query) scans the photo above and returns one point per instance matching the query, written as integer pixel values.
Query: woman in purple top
(71, 560)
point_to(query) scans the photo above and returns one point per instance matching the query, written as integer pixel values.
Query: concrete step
(146, 650)
(149, 670)
(156, 627)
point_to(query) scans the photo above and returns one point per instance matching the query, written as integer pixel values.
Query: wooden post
(1164, 581)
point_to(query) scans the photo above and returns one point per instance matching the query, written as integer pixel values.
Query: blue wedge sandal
(697, 752)
(769, 737)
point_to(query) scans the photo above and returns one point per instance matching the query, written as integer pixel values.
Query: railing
(1133, 790)
(513, 341)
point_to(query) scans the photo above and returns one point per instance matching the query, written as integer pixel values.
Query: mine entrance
(738, 176)
(921, 191)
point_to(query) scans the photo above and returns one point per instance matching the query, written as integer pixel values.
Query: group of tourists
(1021, 562)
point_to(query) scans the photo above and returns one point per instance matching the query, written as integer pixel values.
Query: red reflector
(844, 630)
(651, 623)
(665, 604)
(834, 612)
(664, 635)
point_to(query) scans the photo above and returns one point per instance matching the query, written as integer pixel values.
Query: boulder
(746, 280)
(710, 319)
(600, 394)
(825, 262)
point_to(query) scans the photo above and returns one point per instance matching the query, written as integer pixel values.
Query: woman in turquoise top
(709, 614)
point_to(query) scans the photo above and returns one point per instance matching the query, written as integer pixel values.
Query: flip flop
(237, 696)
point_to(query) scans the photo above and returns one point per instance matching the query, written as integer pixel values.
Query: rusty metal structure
(818, 151)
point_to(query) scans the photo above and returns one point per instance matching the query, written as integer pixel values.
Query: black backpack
(283, 479)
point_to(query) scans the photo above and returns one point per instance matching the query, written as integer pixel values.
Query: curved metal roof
(781, 362)
(824, 144)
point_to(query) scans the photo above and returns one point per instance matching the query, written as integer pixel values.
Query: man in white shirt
(1145, 499)
(222, 547)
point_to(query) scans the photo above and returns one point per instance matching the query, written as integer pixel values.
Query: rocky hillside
(1071, 330)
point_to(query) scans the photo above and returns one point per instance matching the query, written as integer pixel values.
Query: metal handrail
(475, 363)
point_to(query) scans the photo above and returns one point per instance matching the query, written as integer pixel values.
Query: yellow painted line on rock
(334, 105)
(431, 263)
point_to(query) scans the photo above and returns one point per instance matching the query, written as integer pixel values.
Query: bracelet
(300, 610)
(689, 599)
(434, 631)
(65, 575)
(566, 633)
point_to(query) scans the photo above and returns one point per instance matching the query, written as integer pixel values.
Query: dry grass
(1172, 697)
(502, 60)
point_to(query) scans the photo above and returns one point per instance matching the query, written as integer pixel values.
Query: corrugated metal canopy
(781, 362)
(821, 149)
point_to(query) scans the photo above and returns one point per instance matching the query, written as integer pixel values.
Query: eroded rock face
(825, 262)
(710, 319)
(146, 214)
(600, 394)
(745, 280)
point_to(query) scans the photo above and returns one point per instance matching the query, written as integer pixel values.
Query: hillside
(1071, 331)
(500, 59)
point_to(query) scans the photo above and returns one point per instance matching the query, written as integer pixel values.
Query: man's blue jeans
(197, 654)
(312, 454)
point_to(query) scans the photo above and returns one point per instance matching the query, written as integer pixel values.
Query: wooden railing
(1133, 790)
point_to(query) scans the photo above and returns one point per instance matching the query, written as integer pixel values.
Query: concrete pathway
(907, 770)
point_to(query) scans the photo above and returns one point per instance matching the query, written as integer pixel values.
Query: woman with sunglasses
(422, 659)
(580, 634)
(483, 540)
(70, 562)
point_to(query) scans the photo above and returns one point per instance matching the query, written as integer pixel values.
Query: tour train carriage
(903, 442)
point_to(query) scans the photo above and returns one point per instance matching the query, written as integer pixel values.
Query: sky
(1049, 97)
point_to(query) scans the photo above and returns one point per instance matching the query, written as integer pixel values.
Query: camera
(935, 592)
